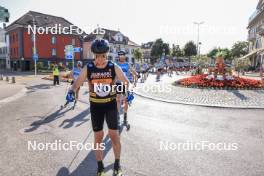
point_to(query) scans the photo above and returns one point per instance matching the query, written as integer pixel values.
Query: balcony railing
(253, 16)
(252, 36)
(260, 29)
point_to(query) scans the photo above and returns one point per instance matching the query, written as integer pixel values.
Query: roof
(131, 43)
(42, 20)
(109, 35)
(147, 45)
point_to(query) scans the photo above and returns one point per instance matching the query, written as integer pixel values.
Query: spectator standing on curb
(56, 74)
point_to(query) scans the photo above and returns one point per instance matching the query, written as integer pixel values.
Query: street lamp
(34, 42)
(198, 35)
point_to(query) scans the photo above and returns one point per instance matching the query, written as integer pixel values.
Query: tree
(225, 52)
(176, 51)
(240, 49)
(138, 54)
(190, 49)
(157, 48)
(213, 52)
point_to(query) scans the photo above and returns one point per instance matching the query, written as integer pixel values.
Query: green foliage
(213, 52)
(202, 61)
(157, 48)
(240, 49)
(70, 64)
(176, 51)
(220, 52)
(241, 64)
(138, 54)
(190, 49)
(40, 65)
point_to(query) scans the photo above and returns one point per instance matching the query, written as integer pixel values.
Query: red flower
(202, 81)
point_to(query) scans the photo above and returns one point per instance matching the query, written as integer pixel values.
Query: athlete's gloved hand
(130, 97)
(70, 97)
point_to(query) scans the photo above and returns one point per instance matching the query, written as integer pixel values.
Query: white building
(4, 61)
(256, 36)
(117, 41)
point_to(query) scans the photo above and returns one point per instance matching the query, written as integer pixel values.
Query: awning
(252, 53)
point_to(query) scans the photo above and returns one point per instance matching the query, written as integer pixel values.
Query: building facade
(49, 45)
(146, 51)
(256, 36)
(117, 42)
(3, 50)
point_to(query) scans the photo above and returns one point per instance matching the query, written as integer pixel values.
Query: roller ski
(157, 78)
(117, 169)
(100, 173)
(118, 172)
(70, 98)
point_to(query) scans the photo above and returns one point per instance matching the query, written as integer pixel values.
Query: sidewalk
(7, 90)
(165, 91)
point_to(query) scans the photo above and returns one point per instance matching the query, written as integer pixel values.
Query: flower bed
(202, 81)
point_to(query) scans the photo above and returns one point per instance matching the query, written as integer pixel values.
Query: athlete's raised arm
(81, 78)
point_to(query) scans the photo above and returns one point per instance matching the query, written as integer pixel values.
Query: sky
(225, 21)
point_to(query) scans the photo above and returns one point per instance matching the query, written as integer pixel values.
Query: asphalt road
(155, 145)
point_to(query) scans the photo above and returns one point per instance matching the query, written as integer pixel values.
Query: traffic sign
(69, 52)
(69, 57)
(77, 49)
(35, 57)
(69, 48)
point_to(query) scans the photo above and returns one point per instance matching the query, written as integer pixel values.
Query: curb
(18, 95)
(196, 104)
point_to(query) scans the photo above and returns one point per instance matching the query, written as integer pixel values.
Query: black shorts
(101, 112)
(159, 69)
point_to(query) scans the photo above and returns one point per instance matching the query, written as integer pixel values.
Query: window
(53, 40)
(73, 41)
(53, 52)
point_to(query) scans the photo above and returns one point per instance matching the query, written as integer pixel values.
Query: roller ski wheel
(100, 173)
(73, 107)
(118, 173)
(128, 127)
(64, 106)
